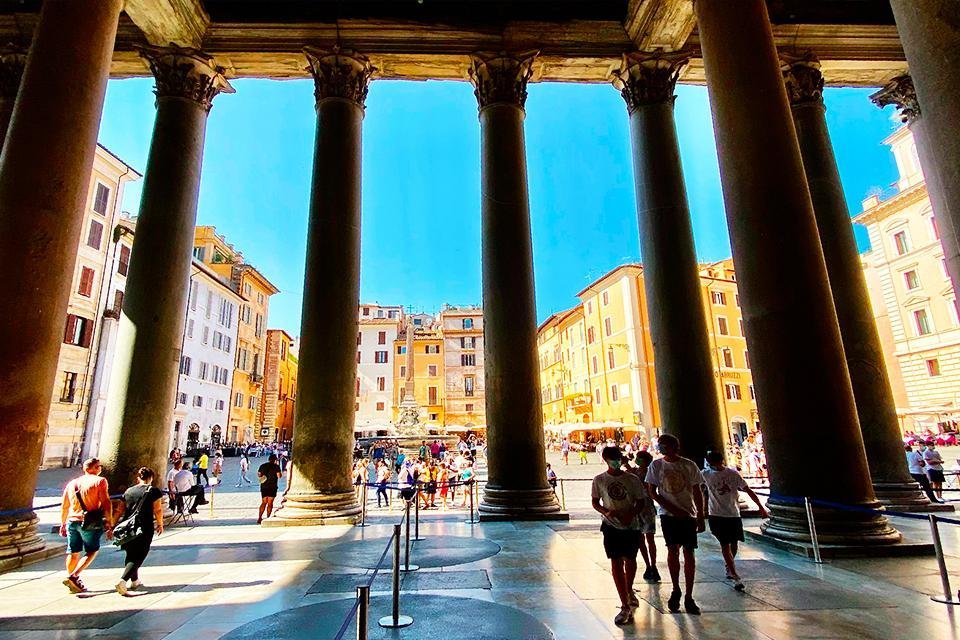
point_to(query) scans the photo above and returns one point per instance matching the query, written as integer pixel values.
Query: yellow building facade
(279, 386)
(428, 372)
(248, 376)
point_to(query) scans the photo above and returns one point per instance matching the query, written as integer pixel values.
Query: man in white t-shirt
(915, 465)
(180, 482)
(616, 496)
(723, 486)
(934, 463)
(676, 485)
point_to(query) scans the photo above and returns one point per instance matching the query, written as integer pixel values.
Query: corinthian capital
(501, 78)
(900, 93)
(339, 73)
(185, 73)
(12, 61)
(802, 78)
(645, 78)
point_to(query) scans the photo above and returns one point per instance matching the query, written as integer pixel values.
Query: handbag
(129, 529)
(93, 519)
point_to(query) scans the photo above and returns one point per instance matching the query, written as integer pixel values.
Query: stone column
(678, 326)
(44, 177)
(320, 489)
(516, 485)
(139, 415)
(810, 429)
(876, 410)
(12, 61)
(930, 34)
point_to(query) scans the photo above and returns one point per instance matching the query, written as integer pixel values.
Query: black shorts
(620, 543)
(726, 530)
(935, 475)
(407, 493)
(431, 487)
(679, 531)
(268, 492)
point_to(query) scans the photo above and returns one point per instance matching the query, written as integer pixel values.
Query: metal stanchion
(944, 578)
(395, 620)
(813, 531)
(363, 508)
(563, 497)
(363, 610)
(416, 519)
(406, 561)
(470, 487)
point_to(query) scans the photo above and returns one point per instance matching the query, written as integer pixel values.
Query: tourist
(180, 482)
(85, 513)
(915, 465)
(648, 519)
(143, 502)
(432, 473)
(218, 465)
(551, 478)
(726, 525)
(424, 450)
(244, 468)
(435, 449)
(359, 473)
(565, 451)
(934, 465)
(582, 450)
(406, 481)
(383, 477)
(269, 475)
(616, 495)
(203, 463)
(466, 477)
(443, 484)
(676, 485)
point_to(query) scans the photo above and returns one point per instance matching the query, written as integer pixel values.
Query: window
(182, 398)
(733, 391)
(742, 332)
(252, 402)
(417, 322)
(727, 357)
(943, 269)
(468, 386)
(468, 360)
(596, 396)
(736, 297)
(954, 312)
(901, 243)
(357, 388)
(225, 317)
(381, 383)
(193, 296)
(379, 313)
(190, 328)
(403, 374)
(124, 264)
(216, 373)
(606, 298)
(613, 393)
(220, 404)
(594, 360)
(78, 331)
(358, 357)
(258, 329)
(185, 365)
(95, 234)
(922, 322)
(432, 370)
(205, 335)
(198, 401)
(753, 394)
(468, 343)
(589, 307)
(381, 357)
(69, 389)
(607, 326)
(468, 323)
(468, 408)
(86, 282)
(432, 348)
(746, 358)
(392, 314)
(203, 370)
(431, 395)
(933, 367)
(590, 335)
(247, 290)
(101, 199)
(366, 311)
(260, 298)
(199, 253)
(380, 406)
(911, 279)
(227, 344)
(242, 357)
(610, 359)
(238, 400)
(718, 297)
(224, 372)
(401, 349)
(217, 340)
(381, 337)
(722, 326)
(245, 313)
(934, 230)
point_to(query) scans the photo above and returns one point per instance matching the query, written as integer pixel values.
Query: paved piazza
(227, 577)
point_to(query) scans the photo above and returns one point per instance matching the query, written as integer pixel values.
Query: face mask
(613, 464)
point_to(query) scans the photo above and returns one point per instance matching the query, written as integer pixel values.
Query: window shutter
(124, 260)
(85, 339)
(70, 328)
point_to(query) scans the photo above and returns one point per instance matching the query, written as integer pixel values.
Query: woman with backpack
(142, 505)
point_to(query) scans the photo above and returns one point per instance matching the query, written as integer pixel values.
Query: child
(616, 496)
(726, 525)
(648, 520)
(582, 450)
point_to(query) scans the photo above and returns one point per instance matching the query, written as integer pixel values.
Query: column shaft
(678, 327)
(516, 485)
(802, 383)
(136, 430)
(931, 42)
(44, 175)
(12, 61)
(876, 410)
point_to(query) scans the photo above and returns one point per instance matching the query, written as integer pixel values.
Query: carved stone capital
(501, 78)
(339, 73)
(648, 78)
(185, 73)
(12, 61)
(900, 93)
(803, 78)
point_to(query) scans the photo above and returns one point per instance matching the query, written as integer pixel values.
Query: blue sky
(421, 176)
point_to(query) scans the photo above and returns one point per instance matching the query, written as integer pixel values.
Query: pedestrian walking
(915, 465)
(648, 520)
(676, 485)
(383, 477)
(244, 468)
(934, 465)
(203, 462)
(723, 486)
(85, 514)
(616, 495)
(143, 503)
(565, 451)
(269, 475)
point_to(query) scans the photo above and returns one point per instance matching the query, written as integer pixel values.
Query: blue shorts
(79, 539)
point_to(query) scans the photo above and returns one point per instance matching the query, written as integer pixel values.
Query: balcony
(256, 378)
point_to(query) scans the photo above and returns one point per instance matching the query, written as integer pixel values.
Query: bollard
(406, 562)
(941, 563)
(813, 531)
(416, 518)
(363, 611)
(470, 487)
(563, 497)
(363, 508)
(213, 490)
(395, 620)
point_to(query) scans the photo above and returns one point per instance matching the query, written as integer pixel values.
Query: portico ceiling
(579, 40)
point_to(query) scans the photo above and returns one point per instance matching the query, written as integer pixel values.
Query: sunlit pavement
(226, 576)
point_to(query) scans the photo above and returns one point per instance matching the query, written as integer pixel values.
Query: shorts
(268, 492)
(726, 530)
(407, 493)
(648, 521)
(620, 543)
(431, 487)
(935, 475)
(679, 531)
(80, 539)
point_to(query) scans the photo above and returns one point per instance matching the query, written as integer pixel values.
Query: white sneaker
(122, 587)
(136, 584)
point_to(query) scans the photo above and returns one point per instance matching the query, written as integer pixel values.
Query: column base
(906, 496)
(788, 522)
(520, 504)
(20, 542)
(315, 509)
